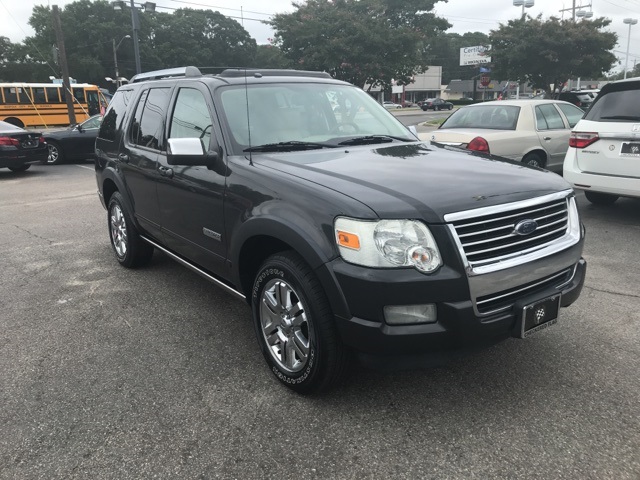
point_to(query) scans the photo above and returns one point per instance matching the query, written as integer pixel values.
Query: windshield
(496, 117)
(315, 114)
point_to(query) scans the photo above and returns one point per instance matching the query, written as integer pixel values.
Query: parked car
(532, 132)
(340, 230)
(391, 105)
(436, 104)
(603, 158)
(577, 98)
(76, 142)
(20, 148)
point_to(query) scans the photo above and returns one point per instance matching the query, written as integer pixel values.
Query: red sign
(484, 80)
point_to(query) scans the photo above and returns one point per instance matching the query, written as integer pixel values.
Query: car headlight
(387, 243)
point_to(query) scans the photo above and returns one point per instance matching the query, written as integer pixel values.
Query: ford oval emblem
(525, 227)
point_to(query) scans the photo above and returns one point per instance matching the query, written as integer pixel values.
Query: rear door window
(573, 114)
(149, 131)
(548, 118)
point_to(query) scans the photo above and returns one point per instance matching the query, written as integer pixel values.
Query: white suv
(604, 148)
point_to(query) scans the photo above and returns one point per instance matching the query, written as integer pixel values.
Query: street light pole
(135, 23)
(115, 58)
(630, 21)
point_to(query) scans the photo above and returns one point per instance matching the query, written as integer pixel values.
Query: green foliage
(186, 37)
(270, 56)
(361, 41)
(552, 51)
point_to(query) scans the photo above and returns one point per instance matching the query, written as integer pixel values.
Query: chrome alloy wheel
(118, 229)
(54, 154)
(285, 326)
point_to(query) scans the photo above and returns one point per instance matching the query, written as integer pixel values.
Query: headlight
(387, 243)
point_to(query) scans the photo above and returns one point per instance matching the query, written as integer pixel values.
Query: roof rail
(169, 72)
(252, 72)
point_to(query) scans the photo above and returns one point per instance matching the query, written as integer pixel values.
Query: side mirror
(79, 127)
(414, 130)
(190, 151)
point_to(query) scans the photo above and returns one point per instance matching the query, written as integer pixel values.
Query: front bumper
(458, 326)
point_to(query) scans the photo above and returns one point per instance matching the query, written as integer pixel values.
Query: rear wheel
(450, 107)
(534, 160)
(295, 326)
(130, 249)
(56, 155)
(598, 198)
(21, 168)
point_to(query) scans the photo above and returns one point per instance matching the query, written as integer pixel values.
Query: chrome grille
(504, 300)
(492, 238)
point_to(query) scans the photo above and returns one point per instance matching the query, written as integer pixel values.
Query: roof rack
(253, 72)
(166, 73)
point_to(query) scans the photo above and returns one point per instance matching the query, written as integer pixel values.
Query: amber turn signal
(348, 240)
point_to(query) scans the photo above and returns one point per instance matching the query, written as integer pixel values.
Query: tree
(361, 41)
(546, 53)
(270, 56)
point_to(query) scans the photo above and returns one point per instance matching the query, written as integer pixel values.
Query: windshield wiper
(621, 117)
(371, 139)
(290, 146)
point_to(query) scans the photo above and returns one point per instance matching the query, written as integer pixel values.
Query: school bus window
(10, 95)
(53, 94)
(38, 95)
(79, 94)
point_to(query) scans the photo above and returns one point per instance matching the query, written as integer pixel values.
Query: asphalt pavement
(109, 373)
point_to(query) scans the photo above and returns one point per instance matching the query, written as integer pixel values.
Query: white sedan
(528, 131)
(391, 105)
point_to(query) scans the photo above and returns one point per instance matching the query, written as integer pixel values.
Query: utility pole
(574, 8)
(63, 64)
(135, 23)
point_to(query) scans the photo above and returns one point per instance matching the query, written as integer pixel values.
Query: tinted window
(191, 118)
(548, 118)
(10, 94)
(497, 117)
(616, 106)
(38, 95)
(79, 94)
(53, 95)
(115, 114)
(572, 113)
(151, 126)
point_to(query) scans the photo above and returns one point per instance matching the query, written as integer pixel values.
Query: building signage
(475, 55)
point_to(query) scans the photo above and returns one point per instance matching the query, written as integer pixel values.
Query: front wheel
(130, 249)
(295, 326)
(598, 198)
(55, 156)
(450, 107)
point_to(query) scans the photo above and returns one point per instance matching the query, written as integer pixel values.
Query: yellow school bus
(43, 104)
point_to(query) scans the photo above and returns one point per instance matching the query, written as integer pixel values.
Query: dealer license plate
(630, 149)
(539, 315)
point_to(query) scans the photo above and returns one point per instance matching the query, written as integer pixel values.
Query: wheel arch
(537, 151)
(15, 121)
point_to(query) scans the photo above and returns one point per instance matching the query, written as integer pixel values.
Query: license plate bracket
(539, 315)
(630, 149)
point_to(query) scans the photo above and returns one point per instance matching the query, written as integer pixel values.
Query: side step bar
(195, 269)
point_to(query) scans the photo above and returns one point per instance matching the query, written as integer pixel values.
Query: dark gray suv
(304, 197)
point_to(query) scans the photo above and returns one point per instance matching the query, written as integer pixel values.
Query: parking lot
(116, 373)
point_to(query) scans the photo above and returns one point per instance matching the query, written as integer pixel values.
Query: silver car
(532, 132)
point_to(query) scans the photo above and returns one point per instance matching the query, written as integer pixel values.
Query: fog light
(410, 314)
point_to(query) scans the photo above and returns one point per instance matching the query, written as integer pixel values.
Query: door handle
(165, 171)
(547, 138)
(123, 157)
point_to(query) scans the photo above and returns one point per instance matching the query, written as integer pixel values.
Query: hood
(416, 180)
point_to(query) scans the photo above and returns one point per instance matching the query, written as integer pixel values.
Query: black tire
(534, 160)
(56, 154)
(21, 168)
(450, 107)
(131, 251)
(290, 309)
(598, 198)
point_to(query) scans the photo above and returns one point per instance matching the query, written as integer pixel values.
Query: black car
(20, 148)
(76, 142)
(436, 104)
(343, 232)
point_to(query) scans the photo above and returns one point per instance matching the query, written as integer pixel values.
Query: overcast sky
(464, 15)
